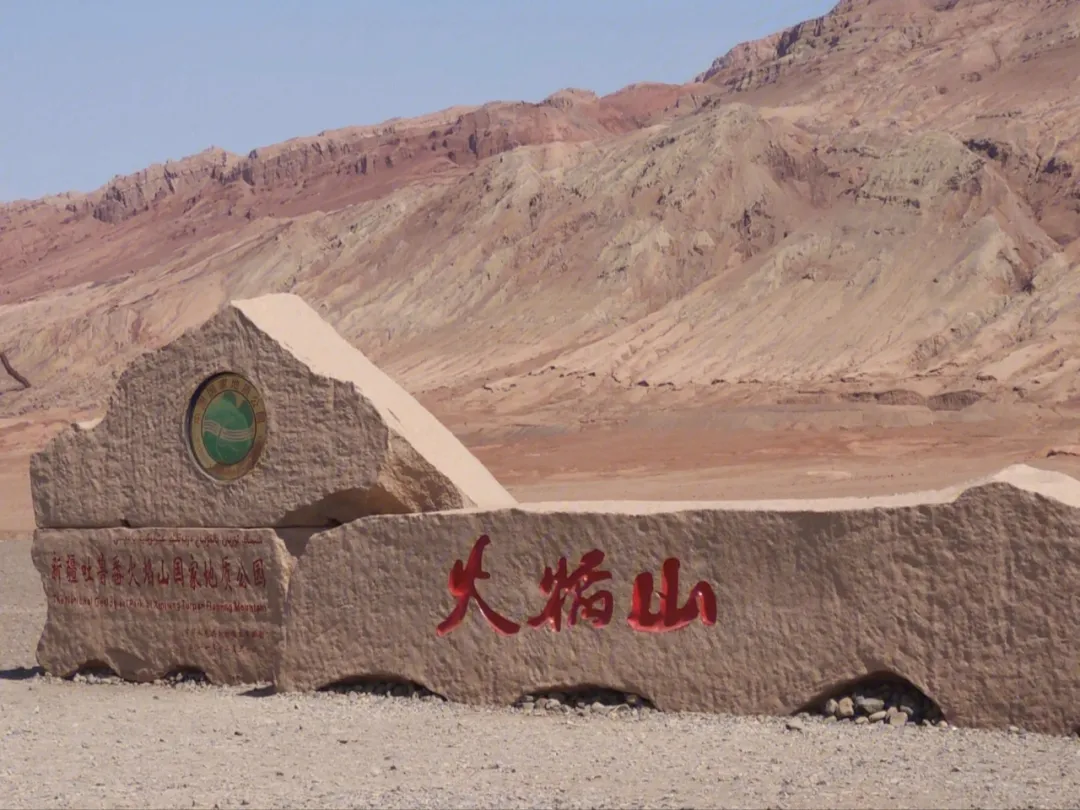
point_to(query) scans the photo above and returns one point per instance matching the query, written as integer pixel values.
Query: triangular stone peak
(264, 416)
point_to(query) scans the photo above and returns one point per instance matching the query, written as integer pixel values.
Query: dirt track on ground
(67, 744)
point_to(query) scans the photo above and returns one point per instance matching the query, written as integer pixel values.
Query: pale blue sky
(94, 88)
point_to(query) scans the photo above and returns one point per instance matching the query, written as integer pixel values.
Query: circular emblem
(227, 426)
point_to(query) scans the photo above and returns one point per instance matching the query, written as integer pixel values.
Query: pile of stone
(180, 679)
(609, 702)
(391, 689)
(894, 704)
(96, 675)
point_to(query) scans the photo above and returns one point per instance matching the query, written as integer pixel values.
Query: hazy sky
(94, 88)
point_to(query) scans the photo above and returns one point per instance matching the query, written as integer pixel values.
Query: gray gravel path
(66, 744)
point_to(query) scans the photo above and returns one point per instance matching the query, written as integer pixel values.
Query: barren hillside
(886, 198)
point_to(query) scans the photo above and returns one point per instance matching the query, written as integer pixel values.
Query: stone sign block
(165, 528)
(972, 594)
(264, 416)
(148, 602)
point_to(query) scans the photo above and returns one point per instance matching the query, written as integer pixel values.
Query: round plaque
(227, 426)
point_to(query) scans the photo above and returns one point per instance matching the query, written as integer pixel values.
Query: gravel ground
(68, 744)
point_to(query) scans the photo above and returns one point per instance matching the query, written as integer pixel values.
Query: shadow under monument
(21, 673)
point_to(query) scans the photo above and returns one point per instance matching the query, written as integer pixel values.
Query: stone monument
(261, 503)
(971, 594)
(167, 530)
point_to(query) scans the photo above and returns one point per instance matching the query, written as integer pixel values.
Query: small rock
(869, 705)
(794, 724)
(1014, 729)
(898, 719)
(845, 707)
(877, 716)
(831, 706)
(861, 720)
(831, 719)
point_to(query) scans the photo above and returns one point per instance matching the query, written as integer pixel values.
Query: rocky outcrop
(916, 178)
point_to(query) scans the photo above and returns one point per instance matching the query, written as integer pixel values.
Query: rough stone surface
(969, 594)
(343, 439)
(147, 603)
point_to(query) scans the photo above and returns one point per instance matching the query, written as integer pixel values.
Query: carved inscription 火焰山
(595, 607)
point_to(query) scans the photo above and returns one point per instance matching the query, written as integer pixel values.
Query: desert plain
(841, 261)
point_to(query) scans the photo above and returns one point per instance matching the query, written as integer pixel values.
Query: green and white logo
(227, 426)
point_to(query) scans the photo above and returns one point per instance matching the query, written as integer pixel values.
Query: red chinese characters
(557, 585)
(195, 573)
(462, 586)
(178, 571)
(132, 574)
(258, 573)
(670, 616)
(596, 607)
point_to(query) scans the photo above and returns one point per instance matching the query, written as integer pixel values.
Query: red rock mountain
(885, 197)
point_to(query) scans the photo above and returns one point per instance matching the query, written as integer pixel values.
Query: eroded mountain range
(886, 198)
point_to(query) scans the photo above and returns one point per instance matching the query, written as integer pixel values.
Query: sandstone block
(763, 607)
(147, 602)
(262, 416)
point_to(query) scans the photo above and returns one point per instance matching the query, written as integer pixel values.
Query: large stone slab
(972, 595)
(147, 602)
(262, 416)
